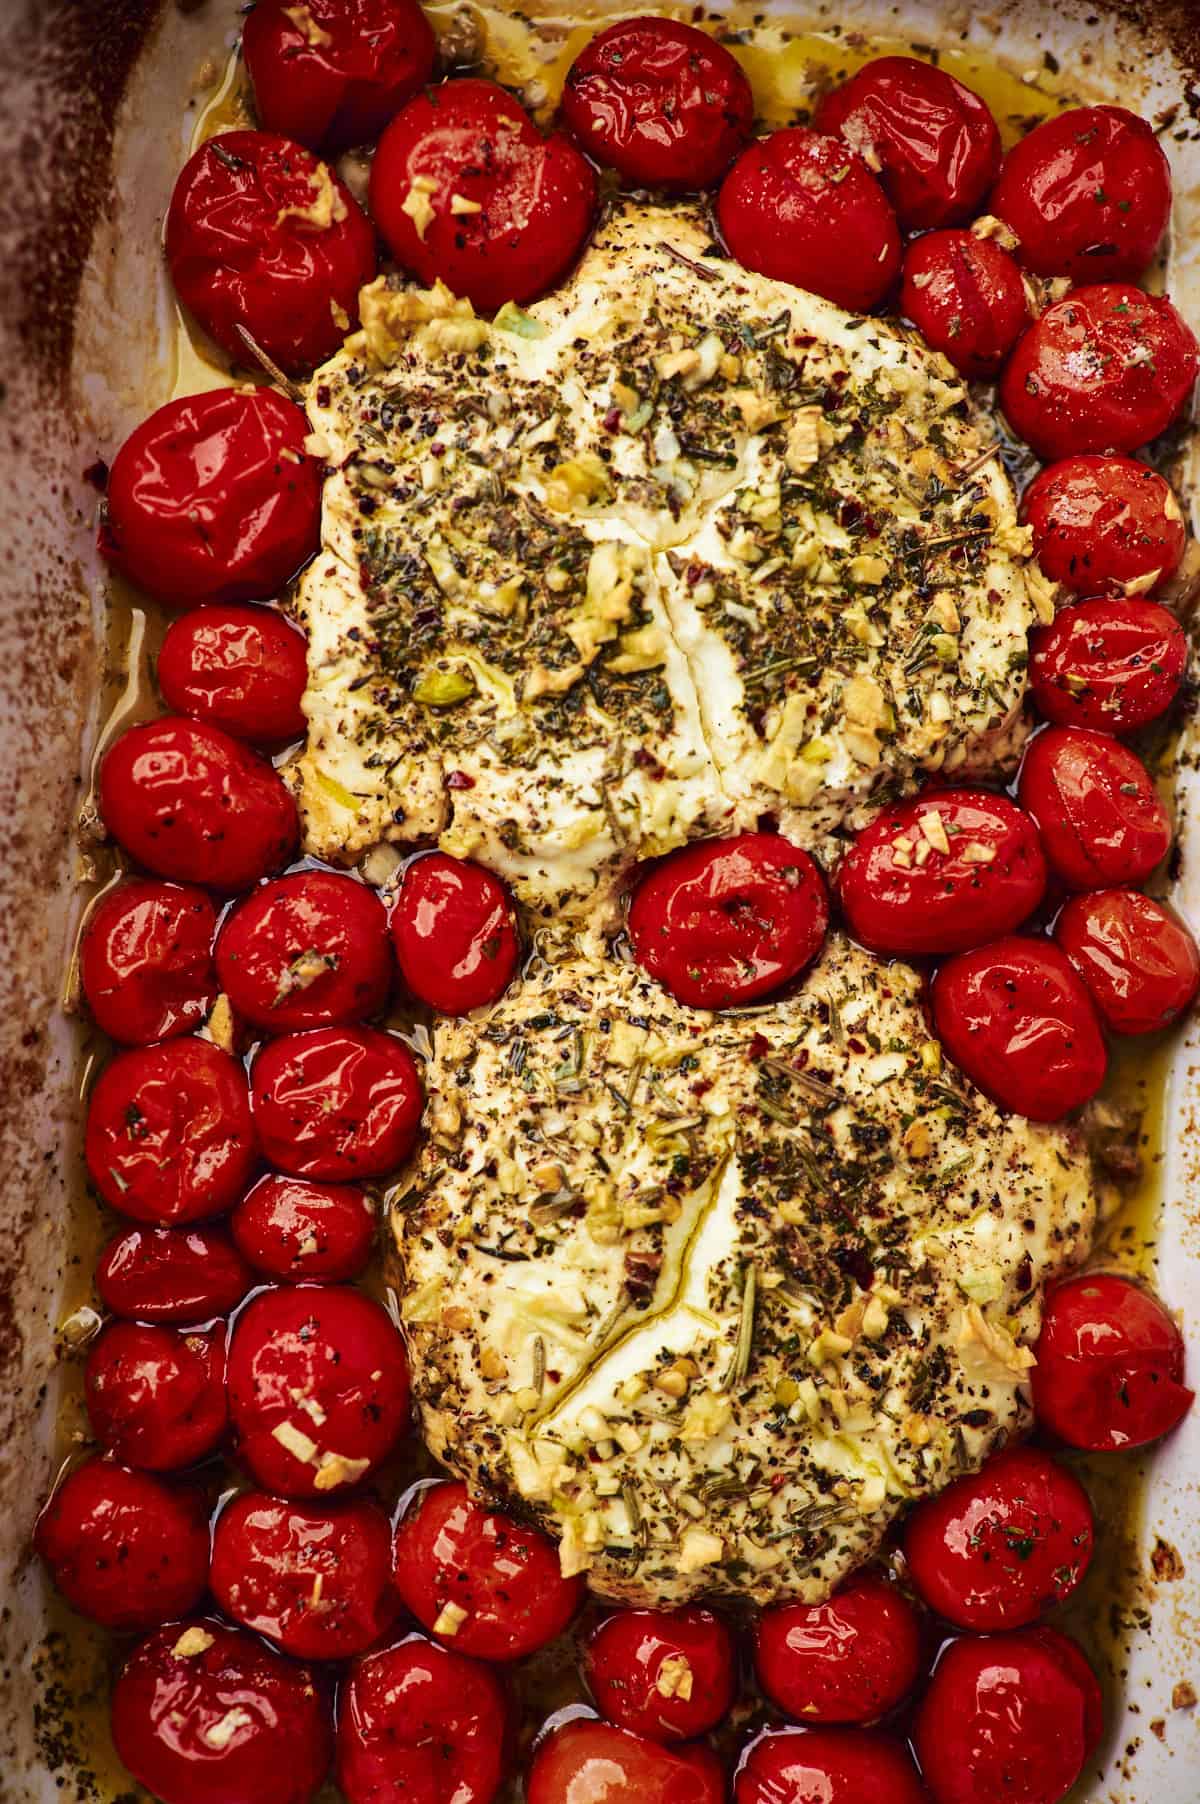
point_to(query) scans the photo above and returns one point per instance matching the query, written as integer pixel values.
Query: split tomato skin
(306, 950)
(966, 297)
(240, 668)
(339, 1103)
(1110, 1365)
(827, 1766)
(1101, 819)
(851, 1659)
(1111, 665)
(181, 1276)
(455, 932)
(1105, 525)
(665, 1675)
(419, 1724)
(596, 1763)
(1140, 963)
(296, 1231)
(145, 961)
(156, 1396)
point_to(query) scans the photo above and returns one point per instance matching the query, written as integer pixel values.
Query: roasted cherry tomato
(801, 207)
(342, 1103)
(487, 1583)
(1088, 193)
(123, 1547)
(849, 1660)
(156, 1396)
(1108, 664)
(1105, 525)
(1101, 819)
(316, 1580)
(1106, 369)
(1138, 960)
(202, 1712)
(942, 873)
(187, 801)
(827, 1766)
(170, 1137)
(145, 961)
(307, 950)
(420, 1725)
(966, 297)
(1015, 1017)
(179, 1275)
(726, 921)
(262, 236)
(595, 1763)
(667, 1675)
(660, 103)
(1008, 1716)
(454, 928)
(332, 73)
(933, 141)
(997, 1548)
(318, 1388)
(465, 189)
(243, 669)
(213, 498)
(296, 1230)
(1109, 1370)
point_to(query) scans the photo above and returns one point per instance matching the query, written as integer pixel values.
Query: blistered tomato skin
(728, 920)
(243, 669)
(1108, 664)
(145, 961)
(202, 1712)
(529, 200)
(1088, 193)
(169, 1135)
(667, 1675)
(966, 297)
(213, 498)
(1101, 819)
(341, 1102)
(337, 76)
(307, 950)
(827, 1766)
(802, 207)
(1106, 369)
(315, 1580)
(597, 1763)
(1011, 1716)
(189, 802)
(418, 1724)
(1015, 1017)
(182, 1276)
(933, 140)
(1138, 960)
(942, 873)
(454, 928)
(156, 1396)
(124, 1548)
(659, 102)
(295, 1230)
(452, 1551)
(1105, 525)
(849, 1660)
(996, 1549)
(1110, 1365)
(338, 1350)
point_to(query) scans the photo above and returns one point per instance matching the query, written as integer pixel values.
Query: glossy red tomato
(465, 188)
(801, 207)
(243, 669)
(187, 801)
(454, 1555)
(420, 1725)
(332, 73)
(342, 1103)
(595, 1763)
(201, 1712)
(1106, 369)
(997, 1548)
(728, 920)
(317, 1580)
(318, 1389)
(213, 498)
(1138, 960)
(933, 141)
(1105, 525)
(667, 1675)
(1101, 819)
(966, 297)
(169, 1134)
(1109, 664)
(145, 961)
(849, 1660)
(179, 1275)
(297, 1230)
(156, 1396)
(123, 1547)
(307, 950)
(1015, 1017)
(659, 102)
(1009, 1716)
(941, 873)
(1088, 193)
(454, 928)
(1109, 1370)
(827, 1766)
